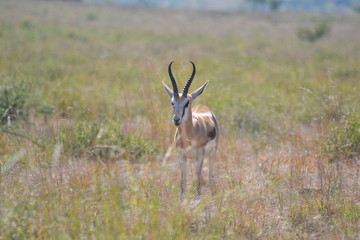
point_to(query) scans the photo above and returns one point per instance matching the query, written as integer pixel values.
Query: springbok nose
(176, 120)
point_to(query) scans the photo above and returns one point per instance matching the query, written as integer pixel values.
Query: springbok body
(197, 129)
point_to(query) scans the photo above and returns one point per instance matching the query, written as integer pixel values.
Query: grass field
(86, 125)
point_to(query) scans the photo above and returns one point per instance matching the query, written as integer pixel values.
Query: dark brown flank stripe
(212, 134)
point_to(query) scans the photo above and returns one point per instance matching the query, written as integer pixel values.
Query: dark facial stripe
(183, 113)
(186, 105)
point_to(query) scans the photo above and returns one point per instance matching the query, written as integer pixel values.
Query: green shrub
(253, 122)
(356, 8)
(76, 139)
(14, 99)
(27, 24)
(104, 141)
(274, 5)
(91, 16)
(327, 104)
(136, 147)
(45, 110)
(313, 34)
(344, 139)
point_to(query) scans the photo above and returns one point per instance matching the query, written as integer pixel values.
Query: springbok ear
(168, 90)
(199, 91)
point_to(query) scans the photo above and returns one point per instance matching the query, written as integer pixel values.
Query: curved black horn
(188, 83)
(175, 88)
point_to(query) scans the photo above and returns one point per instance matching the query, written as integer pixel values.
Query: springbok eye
(172, 104)
(187, 104)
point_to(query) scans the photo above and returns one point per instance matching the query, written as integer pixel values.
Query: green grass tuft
(344, 139)
(103, 141)
(312, 35)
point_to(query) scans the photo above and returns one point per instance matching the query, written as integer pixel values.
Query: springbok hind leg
(199, 164)
(212, 159)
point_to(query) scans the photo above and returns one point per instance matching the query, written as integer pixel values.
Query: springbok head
(181, 102)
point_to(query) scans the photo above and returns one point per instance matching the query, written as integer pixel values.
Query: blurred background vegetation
(273, 5)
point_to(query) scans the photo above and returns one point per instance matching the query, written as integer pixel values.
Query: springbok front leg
(182, 163)
(199, 163)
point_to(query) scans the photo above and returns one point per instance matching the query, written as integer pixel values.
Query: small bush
(79, 137)
(104, 141)
(356, 8)
(313, 34)
(27, 24)
(91, 16)
(76, 37)
(344, 139)
(253, 122)
(274, 5)
(45, 110)
(13, 101)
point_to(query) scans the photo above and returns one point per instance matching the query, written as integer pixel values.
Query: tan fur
(193, 133)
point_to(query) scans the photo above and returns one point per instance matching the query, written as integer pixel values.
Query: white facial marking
(180, 106)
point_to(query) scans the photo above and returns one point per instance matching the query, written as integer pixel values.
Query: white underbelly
(192, 152)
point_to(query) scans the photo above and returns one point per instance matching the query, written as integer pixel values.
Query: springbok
(196, 130)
